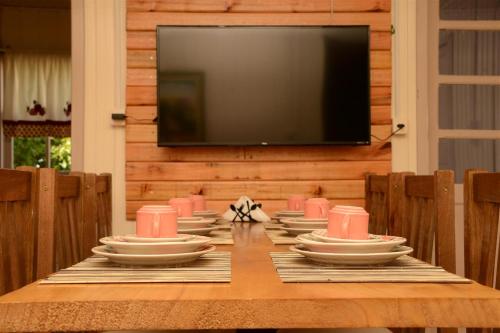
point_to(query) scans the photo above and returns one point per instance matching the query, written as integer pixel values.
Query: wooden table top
(256, 298)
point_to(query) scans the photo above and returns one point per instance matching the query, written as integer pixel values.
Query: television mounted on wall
(263, 85)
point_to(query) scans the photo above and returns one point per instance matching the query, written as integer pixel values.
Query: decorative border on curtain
(57, 129)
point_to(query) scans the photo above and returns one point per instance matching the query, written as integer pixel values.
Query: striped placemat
(279, 237)
(222, 236)
(292, 267)
(212, 267)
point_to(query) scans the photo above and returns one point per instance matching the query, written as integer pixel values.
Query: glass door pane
(464, 106)
(469, 52)
(469, 9)
(462, 154)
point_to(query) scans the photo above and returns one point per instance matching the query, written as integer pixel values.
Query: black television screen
(263, 85)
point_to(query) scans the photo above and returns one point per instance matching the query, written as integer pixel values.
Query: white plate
(189, 218)
(352, 258)
(202, 223)
(198, 231)
(151, 259)
(290, 213)
(123, 247)
(314, 245)
(321, 235)
(138, 239)
(297, 231)
(294, 223)
(311, 219)
(205, 213)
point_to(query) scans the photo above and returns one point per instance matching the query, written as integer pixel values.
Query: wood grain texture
(256, 190)
(18, 207)
(144, 21)
(137, 59)
(377, 202)
(146, 77)
(15, 185)
(380, 59)
(46, 195)
(89, 234)
(144, 115)
(426, 218)
(481, 212)
(148, 133)
(146, 95)
(104, 189)
(220, 171)
(255, 6)
(261, 301)
(226, 172)
(149, 152)
(146, 40)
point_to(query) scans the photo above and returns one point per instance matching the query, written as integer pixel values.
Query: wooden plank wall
(268, 174)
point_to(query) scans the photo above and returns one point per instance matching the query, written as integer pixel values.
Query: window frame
(435, 79)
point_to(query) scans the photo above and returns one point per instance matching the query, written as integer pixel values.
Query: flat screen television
(273, 85)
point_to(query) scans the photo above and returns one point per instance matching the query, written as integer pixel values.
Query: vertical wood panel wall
(268, 174)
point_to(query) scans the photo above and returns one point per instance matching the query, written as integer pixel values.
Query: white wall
(404, 90)
(99, 144)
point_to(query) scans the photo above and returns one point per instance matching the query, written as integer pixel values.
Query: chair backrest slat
(103, 196)
(481, 212)
(376, 202)
(420, 186)
(426, 217)
(68, 187)
(18, 207)
(62, 194)
(486, 187)
(46, 193)
(90, 237)
(382, 195)
(15, 185)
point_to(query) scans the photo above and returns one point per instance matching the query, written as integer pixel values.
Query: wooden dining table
(255, 298)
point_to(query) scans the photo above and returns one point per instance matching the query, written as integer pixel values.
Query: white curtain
(44, 78)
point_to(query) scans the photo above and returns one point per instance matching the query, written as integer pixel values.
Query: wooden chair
(381, 193)
(481, 218)
(104, 202)
(426, 217)
(18, 207)
(61, 197)
(97, 210)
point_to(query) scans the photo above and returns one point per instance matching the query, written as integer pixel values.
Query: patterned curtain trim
(57, 129)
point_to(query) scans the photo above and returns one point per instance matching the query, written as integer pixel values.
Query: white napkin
(242, 206)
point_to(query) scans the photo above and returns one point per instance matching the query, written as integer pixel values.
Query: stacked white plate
(206, 213)
(288, 214)
(375, 250)
(196, 225)
(301, 225)
(134, 250)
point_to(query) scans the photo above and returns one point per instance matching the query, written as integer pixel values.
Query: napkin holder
(246, 210)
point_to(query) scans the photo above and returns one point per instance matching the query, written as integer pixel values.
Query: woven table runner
(292, 267)
(279, 237)
(212, 267)
(222, 237)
